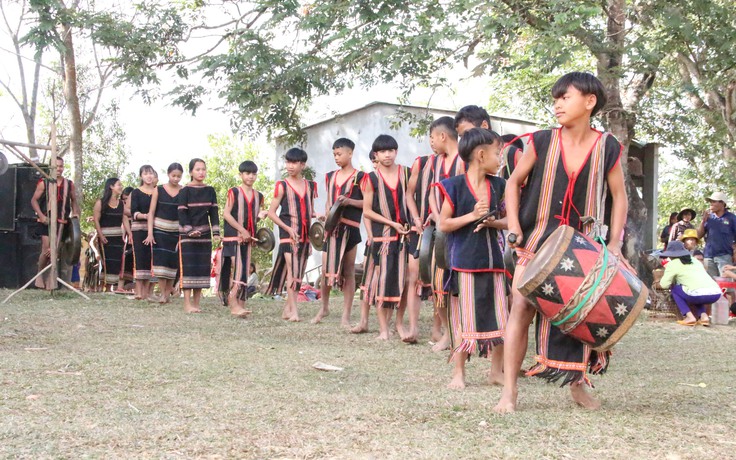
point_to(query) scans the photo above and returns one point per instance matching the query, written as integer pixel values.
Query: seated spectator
(684, 219)
(689, 283)
(698, 255)
(252, 286)
(690, 240)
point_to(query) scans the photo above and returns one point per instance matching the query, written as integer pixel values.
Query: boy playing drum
(561, 168)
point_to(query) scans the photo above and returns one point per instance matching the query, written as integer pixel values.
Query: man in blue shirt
(719, 228)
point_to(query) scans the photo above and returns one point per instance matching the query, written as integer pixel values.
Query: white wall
(362, 127)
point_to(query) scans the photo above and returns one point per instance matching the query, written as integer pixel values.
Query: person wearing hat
(719, 229)
(690, 240)
(689, 283)
(684, 222)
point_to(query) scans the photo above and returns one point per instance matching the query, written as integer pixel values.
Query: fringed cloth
(478, 312)
(341, 240)
(387, 275)
(299, 256)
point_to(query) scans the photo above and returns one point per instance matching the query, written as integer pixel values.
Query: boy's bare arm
(619, 209)
(513, 191)
(40, 189)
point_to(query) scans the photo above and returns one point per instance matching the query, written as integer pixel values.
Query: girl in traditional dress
(477, 285)
(199, 224)
(295, 195)
(163, 231)
(139, 205)
(111, 227)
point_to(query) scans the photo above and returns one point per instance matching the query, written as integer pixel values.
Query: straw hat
(675, 249)
(719, 196)
(692, 212)
(690, 233)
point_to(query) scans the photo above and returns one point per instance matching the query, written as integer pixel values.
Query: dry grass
(114, 378)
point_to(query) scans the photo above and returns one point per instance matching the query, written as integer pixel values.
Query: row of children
(457, 189)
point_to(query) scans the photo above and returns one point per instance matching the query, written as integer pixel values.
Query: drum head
(71, 242)
(426, 246)
(317, 235)
(3, 164)
(266, 240)
(441, 256)
(546, 259)
(333, 217)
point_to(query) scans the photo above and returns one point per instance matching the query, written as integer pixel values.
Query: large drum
(582, 289)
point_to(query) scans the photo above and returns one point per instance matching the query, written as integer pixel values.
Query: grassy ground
(115, 378)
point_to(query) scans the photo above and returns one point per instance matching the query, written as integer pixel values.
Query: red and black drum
(583, 289)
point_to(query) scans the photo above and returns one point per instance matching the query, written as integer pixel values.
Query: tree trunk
(621, 123)
(72, 103)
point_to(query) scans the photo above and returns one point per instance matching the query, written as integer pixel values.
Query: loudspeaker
(9, 268)
(26, 180)
(7, 200)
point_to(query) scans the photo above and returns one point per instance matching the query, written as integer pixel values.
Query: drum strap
(599, 228)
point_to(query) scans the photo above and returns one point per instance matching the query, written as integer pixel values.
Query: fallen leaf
(32, 397)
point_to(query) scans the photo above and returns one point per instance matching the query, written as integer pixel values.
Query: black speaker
(9, 268)
(7, 200)
(26, 180)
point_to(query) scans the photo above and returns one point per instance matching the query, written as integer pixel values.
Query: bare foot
(495, 378)
(382, 336)
(190, 309)
(345, 323)
(507, 403)
(442, 345)
(436, 335)
(582, 398)
(239, 311)
(294, 319)
(321, 314)
(359, 329)
(400, 330)
(411, 338)
(285, 315)
(457, 382)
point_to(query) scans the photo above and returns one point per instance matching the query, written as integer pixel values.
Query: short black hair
(296, 155)
(193, 162)
(384, 142)
(248, 167)
(372, 155)
(127, 191)
(586, 83)
(343, 142)
(473, 114)
(686, 260)
(174, 167)
(447, 124)
(514, 140)
(474, 138)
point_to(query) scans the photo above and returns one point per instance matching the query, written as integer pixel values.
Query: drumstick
(512, 238)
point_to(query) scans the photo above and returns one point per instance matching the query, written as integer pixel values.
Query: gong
(333, 217)
(71, 242)
(441, 250)
(426, 246)
(265, 239)
(317, 235)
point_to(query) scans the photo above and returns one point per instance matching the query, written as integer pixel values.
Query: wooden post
(54, 215)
